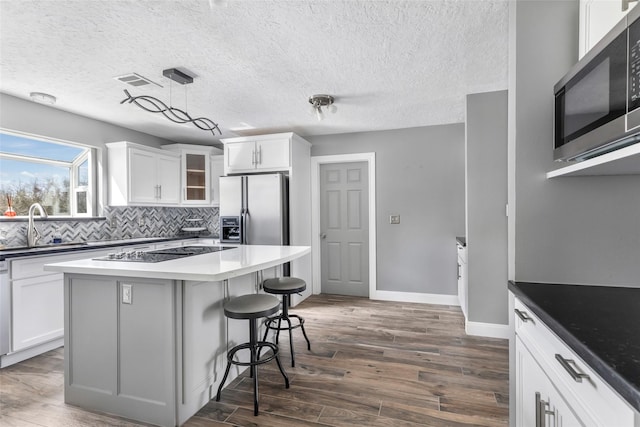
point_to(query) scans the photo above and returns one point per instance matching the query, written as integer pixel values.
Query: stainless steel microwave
(597, 102)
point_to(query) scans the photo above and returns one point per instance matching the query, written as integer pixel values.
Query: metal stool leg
(293, 359)
(286, 378)
(253, 339)
(301, 320)
(224, 378)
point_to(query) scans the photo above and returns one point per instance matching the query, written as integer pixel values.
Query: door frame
(316, 161)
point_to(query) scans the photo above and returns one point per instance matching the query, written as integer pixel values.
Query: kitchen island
(148, 341)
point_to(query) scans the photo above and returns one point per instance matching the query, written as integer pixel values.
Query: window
(58, 175)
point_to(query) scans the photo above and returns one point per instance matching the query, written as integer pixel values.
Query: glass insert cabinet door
(196, 177)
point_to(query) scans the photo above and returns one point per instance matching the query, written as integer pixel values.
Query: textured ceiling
(389, 64)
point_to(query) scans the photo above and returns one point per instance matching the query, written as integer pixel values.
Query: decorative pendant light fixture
(176, 115)
(319, 101)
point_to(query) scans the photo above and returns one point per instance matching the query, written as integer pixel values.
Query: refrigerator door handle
(247, 220)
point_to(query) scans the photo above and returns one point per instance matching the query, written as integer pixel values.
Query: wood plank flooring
(372, 363)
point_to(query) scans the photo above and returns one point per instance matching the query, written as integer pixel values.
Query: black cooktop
(162, 254)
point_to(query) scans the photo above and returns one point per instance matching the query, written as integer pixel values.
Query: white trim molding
(316, 161)
(489, 330)
(439, 299)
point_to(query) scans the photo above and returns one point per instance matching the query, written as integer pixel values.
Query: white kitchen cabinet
(463, 282)
(37, 310)
(141, 175)
(37, 299)
(597, 18)
(576, 398)
(217, 170)
(195, 171)
(537, 400)
(266, 153)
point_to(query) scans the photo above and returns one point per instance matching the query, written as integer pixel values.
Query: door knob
(323, 235)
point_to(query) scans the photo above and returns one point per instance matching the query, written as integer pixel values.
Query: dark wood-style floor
(371, 363)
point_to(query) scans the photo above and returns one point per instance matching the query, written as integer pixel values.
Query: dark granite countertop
(84, 246)
(461, 240)
(600, 323)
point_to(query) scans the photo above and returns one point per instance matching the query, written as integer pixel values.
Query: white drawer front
(590, 395)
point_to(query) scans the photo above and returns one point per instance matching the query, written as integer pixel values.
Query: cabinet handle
(159, 191)
(459, 271)
(259, 161)
(523, 315)
(253, 158)
(575, 374)
(542, 411)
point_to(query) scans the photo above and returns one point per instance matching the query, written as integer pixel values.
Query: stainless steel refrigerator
(254, 209)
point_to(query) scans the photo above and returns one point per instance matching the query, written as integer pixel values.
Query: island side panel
(202, 334)
(120, 357)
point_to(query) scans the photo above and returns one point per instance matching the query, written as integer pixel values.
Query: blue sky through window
(13, 172)
(34, 148)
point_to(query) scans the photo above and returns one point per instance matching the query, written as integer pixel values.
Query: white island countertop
(216, 266)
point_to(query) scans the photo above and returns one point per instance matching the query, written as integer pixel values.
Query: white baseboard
(439, 299)
(19, 356)
(489, 330)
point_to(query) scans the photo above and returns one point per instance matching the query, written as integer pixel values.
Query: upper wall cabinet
(265, 153)
(217, 170)
(195, 180)
(151, 177)
(597, 17)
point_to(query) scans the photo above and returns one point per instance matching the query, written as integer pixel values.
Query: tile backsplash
(120, 223)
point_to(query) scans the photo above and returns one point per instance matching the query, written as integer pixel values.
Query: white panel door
(344, 225)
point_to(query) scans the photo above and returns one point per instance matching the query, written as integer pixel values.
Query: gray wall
(419, 176)
(26, 116)
(486, 181)
(20, 115)
(583, 230)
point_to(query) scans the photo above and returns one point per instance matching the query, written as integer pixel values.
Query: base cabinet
(37, 308)
(537, 401)
(555, 387)
(463, 285)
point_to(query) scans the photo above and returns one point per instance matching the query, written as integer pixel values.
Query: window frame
(90, 155)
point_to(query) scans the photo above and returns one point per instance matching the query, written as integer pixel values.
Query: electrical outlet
(141, 222)
(114, 222)
(394, 219)
(127, 294)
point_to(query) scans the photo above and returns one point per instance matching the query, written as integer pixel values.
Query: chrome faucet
(33, 235)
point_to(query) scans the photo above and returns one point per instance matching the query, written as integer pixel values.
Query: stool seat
(284, 285)
(251, 306)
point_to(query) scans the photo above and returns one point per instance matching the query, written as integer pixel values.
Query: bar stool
(285, 286)
(252, 307)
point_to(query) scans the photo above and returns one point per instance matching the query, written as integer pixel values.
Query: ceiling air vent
(134, 79)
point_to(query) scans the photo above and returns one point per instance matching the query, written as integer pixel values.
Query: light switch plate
(394, 219)
(127, 294)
